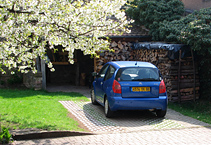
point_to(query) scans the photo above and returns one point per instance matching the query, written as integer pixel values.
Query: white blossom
(27, 26)
(52, 69)
(50, 65)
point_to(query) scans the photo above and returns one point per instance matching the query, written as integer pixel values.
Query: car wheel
(93, 99)
(108, 112)
(161, 113)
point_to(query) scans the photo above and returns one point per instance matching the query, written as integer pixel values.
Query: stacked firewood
(180, 82)
(181, 77)
(188, 83)
(119, 51)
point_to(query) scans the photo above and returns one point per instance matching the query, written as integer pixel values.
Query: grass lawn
(20, 109)
(200, 110)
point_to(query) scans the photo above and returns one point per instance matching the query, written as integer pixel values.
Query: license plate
(140, 89)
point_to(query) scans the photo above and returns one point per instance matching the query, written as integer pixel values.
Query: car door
(99, 83)
(108, 80)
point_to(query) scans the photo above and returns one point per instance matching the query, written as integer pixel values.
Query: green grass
(200, 110)
(20, 109)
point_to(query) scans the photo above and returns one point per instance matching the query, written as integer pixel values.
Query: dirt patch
(80, 124)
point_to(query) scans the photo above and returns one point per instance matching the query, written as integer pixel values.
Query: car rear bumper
(119, 103)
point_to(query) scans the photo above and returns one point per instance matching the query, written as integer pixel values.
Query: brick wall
(196, 4)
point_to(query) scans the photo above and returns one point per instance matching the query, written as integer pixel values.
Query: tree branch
(86, 32)
(23, 12)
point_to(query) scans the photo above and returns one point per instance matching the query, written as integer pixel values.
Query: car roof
(121, 64)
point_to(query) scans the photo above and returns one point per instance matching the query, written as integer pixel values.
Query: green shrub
(2, 82)
(151, 13)
(15, 79)
(5, 136)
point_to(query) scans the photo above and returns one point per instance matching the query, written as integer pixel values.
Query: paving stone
(190, 136)
(93, 117)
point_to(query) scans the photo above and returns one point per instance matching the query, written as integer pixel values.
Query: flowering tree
(28, 26)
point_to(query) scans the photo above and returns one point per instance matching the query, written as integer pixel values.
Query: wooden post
(77, 74)
(95, 65)
(38, 64)
(136, 56)
(43, 74)
(194, 77)
(178, 83)
(77, 67)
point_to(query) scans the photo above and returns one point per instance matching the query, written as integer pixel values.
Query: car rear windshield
(138, 74)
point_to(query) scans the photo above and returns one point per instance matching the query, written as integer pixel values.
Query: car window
(110, 72)
(138, 74)
(103, 71)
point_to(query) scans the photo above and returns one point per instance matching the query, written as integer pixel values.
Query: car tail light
(116, 87)
(162, 87)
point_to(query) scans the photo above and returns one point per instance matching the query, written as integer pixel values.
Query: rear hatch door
(138, 89)
(139, 82)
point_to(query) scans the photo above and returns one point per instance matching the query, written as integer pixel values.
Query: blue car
(129, 85)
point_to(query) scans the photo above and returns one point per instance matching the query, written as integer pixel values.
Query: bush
(5, 136)
(151, 13)
(16, 78)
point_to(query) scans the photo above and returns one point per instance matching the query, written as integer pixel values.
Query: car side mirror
(94, 74)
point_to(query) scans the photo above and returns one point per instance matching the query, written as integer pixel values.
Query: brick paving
(130, 128)
(190, 136)
(94, 119)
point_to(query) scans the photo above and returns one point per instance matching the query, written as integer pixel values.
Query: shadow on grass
(25, 124)
(16, 93)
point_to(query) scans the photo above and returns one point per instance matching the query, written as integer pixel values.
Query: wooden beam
(95, 65)
(194, 77)
(60, 63)
(43, 74)
(77, 78)
(38, 64)
(178, 85)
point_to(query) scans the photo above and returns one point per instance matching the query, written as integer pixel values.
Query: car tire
(107, 110)
(93, 98)
(161, 113)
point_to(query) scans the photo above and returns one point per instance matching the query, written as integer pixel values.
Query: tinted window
(103, 71)
(138, 74)
(110, 72)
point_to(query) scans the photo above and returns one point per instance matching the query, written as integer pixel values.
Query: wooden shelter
(79, 73)
(175, 61)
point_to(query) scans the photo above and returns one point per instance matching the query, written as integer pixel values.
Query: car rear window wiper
(146, 79)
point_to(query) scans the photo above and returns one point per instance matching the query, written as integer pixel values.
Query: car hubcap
(106, 107)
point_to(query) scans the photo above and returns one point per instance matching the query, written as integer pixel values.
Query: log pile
(120, 51)
(180, 75)
(180, 82)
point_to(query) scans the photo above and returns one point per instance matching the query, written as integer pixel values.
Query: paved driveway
(190, 136)
(92, 116)
(131, 127)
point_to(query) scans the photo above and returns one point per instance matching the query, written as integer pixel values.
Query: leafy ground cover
(200, 110)
(22, 109)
